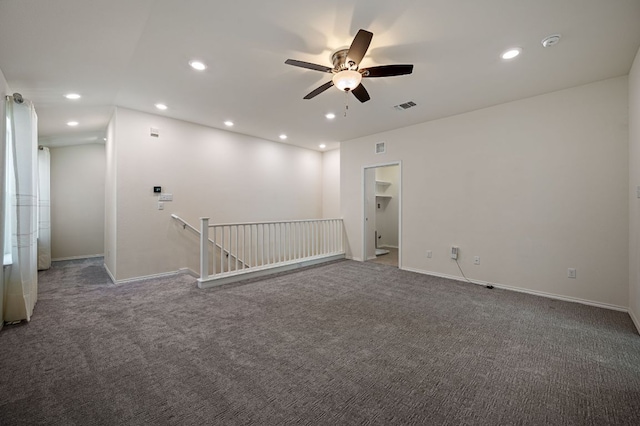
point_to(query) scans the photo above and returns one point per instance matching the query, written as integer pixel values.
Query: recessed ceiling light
(511, 53)
(72, 96)
(197, 65)
(330, 116)
(322, 146)
(228, 123)
(161, 106)
(283, 136)
(72, 123)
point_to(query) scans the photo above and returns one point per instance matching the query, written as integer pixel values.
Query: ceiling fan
(347, 75)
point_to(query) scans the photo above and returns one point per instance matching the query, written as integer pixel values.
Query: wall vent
(381, 148)
(404, 106)
(155, 132)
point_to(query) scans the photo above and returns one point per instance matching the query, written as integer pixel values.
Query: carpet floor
(342, 343)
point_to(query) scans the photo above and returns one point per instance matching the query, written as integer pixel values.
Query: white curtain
(44, 209)
(21, 275)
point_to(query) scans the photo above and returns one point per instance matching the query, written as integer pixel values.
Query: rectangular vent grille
(381, 148)
(404, 106)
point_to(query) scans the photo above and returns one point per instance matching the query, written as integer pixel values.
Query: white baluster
(244, 244)
(296, 244)
(237, 246)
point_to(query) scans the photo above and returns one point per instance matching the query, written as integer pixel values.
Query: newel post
(204, 248)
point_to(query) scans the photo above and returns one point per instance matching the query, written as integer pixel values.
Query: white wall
(110, 199)
(226, 176)
(533, 187)
(634, 197)
(4, 91)
(331, 184)
(387, 214)
(77, 201)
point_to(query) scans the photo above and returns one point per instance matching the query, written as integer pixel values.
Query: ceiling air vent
(404, 106)
(381, 148)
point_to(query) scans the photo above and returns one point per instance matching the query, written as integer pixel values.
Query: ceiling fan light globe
(347, 80)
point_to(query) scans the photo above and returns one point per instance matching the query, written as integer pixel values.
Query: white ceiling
(135, 53)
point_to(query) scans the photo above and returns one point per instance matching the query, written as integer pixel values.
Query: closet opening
(382, 219)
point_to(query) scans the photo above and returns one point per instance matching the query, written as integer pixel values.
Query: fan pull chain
(346, 103)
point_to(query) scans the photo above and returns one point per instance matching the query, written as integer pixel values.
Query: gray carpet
(343, 343)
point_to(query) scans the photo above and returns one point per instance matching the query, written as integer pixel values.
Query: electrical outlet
(476, 260)
(571, 272)
(160, 205)
(454, 252)
(429, 254)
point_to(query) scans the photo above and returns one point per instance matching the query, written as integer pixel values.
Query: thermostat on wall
(157, 189)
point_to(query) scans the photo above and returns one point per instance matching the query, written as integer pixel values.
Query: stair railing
(258, 248)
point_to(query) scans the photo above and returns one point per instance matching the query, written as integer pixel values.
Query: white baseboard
(88, 256)
(113, 279)
(527, 291)
(147, 277)
(235, 276)
(634, 318)
(190, 272)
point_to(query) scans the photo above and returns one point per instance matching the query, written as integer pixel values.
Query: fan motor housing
(339, 61)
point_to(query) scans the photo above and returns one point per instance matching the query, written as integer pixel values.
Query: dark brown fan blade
(319, 90)
(361, 93)
(308, 65)
(386, 71)
(359, 46)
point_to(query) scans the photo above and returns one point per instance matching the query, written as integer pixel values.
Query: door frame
(363, 208)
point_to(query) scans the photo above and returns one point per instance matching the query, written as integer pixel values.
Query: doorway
(381, 214)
